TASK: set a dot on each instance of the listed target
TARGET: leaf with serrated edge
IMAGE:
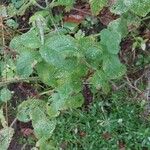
(46, 73)
(139, 7)
(25, 109)
(30, 39)
(113, 67)
(26, 62)
(97, 5)
(5, 95)
(111, 39)
(43, 126)
(6, 135)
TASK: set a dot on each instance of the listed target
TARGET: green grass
(110, 122)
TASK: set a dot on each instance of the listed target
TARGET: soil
(22, 91)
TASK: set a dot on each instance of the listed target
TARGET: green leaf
(70, 84)
(12, 23)
(43, 126)
(16, 44)
(139, 7)
(54, 106)
(18, 3)
(46, 73)
(113, 67)
(61, 43)
(133, 21)
(30, 39)
(41, 13)
(6, 135)
(57, 103)
(65, 89)
(51, 56)
(52, 111)
(45, 144)
(35, 110)
(8, 69)
(111, 39)
(11, 10)
(120, 26)
(99, 79)
(97, 5)
(67, 96)
(56, 49)
(5, 95)
(90, 51)
(3, 11)
(67, 3)
(26, 107)
(75, 101)
(119, 7)
(26, 62)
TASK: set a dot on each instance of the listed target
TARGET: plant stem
(14, 121)
(46, 92)
(146, 18)
(15, 80)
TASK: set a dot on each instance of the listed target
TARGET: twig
(148, 86)
(135, 83)
(38, 5)
(23, 147)
(117, 87)
(79, 10)
(130, 84)
(46, 2)
(14, 121)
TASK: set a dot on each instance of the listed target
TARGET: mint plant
(63, 62)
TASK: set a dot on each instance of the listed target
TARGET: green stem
(16, 80)
(146, 18)
(46, 92)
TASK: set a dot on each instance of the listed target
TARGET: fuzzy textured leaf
(119, 7)
(43, 126)
(98, 79)
(5, 95)
(30, 39)
(120, 26)
(46, 73)
(113, 67)
(16, 44)
(139, 7)
(97, 5)
(91, 49)
(67, 3)
(26, 62)
(111, 39)
(6, 135)
(56, 49)
(45, 144)
(75, 101)
(25, 109)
